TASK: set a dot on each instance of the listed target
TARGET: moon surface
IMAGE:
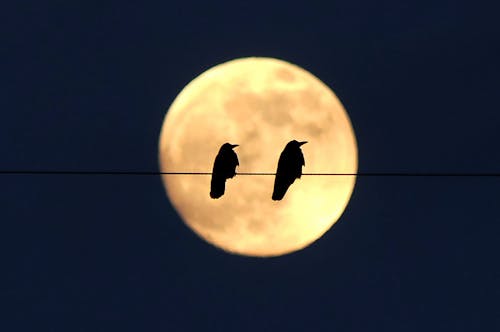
(260, 104)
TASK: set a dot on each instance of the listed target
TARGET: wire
(152, 173)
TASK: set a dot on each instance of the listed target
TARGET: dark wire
(132, 173)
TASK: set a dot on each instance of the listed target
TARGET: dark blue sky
(86, 87)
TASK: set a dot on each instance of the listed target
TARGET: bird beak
(302, 143)
(234, 145)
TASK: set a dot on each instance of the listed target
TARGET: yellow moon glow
(260, 104)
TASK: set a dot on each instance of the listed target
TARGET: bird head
(297, 143)
(229, 146)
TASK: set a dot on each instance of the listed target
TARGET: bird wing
(282, 181)
(218, 164)
(285, 176)
(217, 184)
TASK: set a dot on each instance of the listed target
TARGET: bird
(224, 168)
(289, 168)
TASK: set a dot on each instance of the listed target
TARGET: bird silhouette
(224, 168)
(289, 168)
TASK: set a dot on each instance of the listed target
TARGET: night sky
(86, 87)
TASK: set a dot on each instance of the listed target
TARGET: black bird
(224, 168)
(289, 168)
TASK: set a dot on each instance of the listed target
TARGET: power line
(155, 173)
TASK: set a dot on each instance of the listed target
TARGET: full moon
(260, 104)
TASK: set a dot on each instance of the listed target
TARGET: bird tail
(279, 191)
(217, 187)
